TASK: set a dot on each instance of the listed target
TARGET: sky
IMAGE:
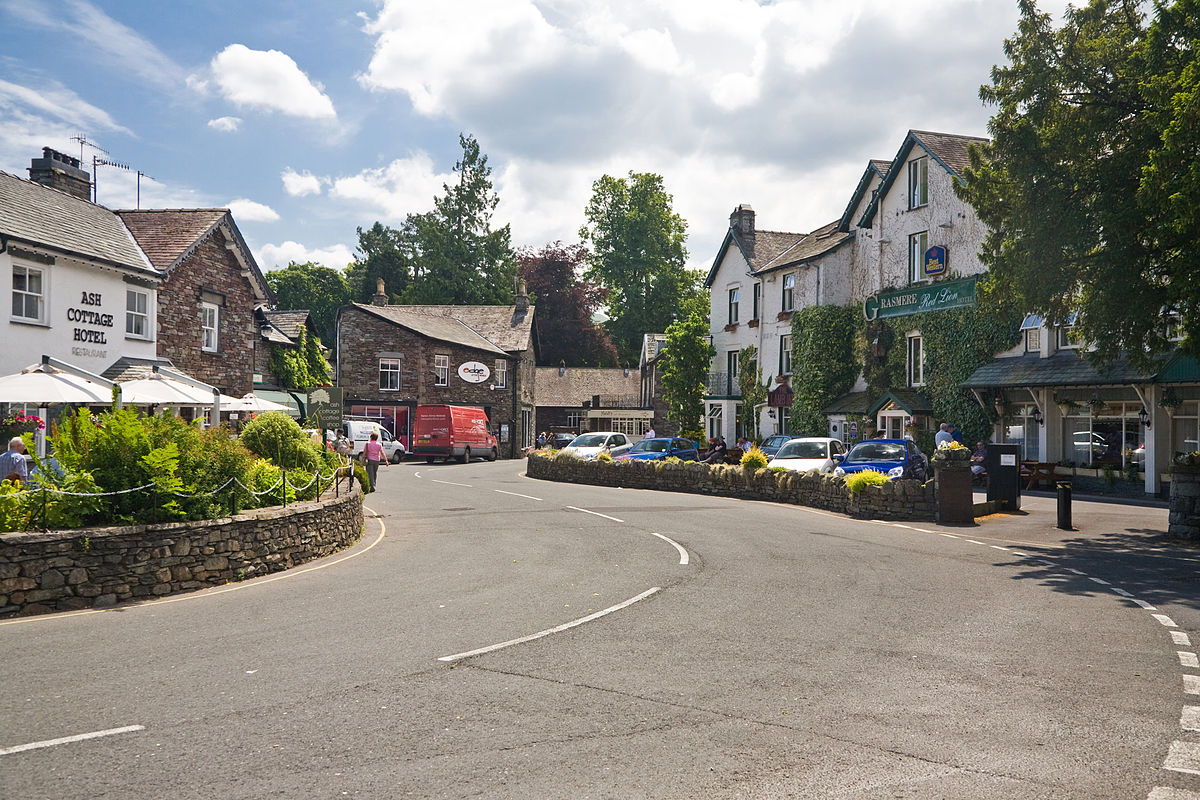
(309, 120)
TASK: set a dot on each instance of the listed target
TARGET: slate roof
(849, 403)
(1065, 368)
(288, 323)
(170, 235)
(911, 400)
(38, 215)
(577, 384)
(442, 327)
(128, 368)
(777, 249)
(823, 240)
(503, 326)
(876, 166)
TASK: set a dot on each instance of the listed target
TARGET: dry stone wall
(1184, 519)
(903, 499)
(98, 567)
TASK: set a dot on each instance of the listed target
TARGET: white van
(359, 431)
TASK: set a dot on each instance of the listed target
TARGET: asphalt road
(795, 654)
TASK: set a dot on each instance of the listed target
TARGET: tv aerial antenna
(103, 158)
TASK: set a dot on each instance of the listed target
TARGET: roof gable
(947, 149)
(824, 239)
(495, 329)
(577, 384)
(875, 167)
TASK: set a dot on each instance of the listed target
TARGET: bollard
(1064, 505)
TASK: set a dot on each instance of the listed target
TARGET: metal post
(1064, 505)
(154, 506)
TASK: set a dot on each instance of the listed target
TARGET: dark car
(896, 458)
(771, 444)
(560, 440)
(660, 448)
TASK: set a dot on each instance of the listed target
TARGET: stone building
(206, 306)
(578, 399)
(392, 358)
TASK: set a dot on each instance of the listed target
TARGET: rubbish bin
(1003, 465)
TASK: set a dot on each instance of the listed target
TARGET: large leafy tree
(382, 252)
(320, 290)
(638, 255)
(686, 358)
(1091, 183)
(565, 305)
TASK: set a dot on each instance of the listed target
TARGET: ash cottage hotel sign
(921, 299)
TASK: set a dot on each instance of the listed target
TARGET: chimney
(380, 298)
(522, 296)
(60, 171)
(742, 222)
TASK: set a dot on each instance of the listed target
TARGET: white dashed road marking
(1121, 591)
(557, 629)
(1165, 620)
(1188, 659)
(1191, 684)
(451, 483)
(1179, 637)
(1189, 720)
(597, 513)
(683, 554)
(1184, 757)
(1100, 581)
(1144, 604)
(1167, 793)
(514, 494)
(20, 748)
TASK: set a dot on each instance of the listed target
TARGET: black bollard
(1064, 505)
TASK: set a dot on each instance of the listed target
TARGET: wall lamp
(1144, 416)
(1037, 416)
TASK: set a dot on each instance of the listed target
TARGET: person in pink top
(373, 455)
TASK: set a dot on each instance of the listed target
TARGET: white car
(590, 445)
(808, 453)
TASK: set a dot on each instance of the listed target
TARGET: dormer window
(918, 183)
(1066, 334)
(1031, 332)
(789, 292)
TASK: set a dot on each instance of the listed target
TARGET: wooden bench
(1036, 472)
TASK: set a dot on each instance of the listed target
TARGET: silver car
(590, 445)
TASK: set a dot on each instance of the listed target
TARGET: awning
(912, 403)
(294, 407)
(1064, 368)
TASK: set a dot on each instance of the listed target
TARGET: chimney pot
(741, 221)
(60, 171)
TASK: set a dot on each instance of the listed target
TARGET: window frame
(915, 377)
(788, 302)
(205, 328)
(132, 314)
(501, 373)
(757, 295)
(731, 371)
(25, 294)
(441, 369)
(785, 354)
(735, 295)
(918, 183)
(918, 243)
(388, 362)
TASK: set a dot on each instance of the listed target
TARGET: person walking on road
(373, 455)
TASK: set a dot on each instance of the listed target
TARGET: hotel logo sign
(921, 299)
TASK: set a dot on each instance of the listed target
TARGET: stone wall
(1184, 519)
(98, 567)
(904, 499)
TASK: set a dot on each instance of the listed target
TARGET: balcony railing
(722, 384)
(614, 401)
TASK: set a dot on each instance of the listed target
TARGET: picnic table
(1035, 472)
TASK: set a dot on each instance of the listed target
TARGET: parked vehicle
(808, 453)
(560, 440)
(659, 448)
(772, 443)
(359, 431)
(590, 445)
(896, 458)
(444, 431)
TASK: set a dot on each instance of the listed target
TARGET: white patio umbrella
(257, 405)
(161, 390)
(46, 384)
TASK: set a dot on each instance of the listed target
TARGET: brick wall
(97, 567)
(214, 268)
(365, 338)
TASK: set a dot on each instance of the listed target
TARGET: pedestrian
(718, 452)
(13, 466)
(344, 446)
(944, 435)
(373, 455)
(650, 434)
(880, 434)
(957, 435)
(542, 439)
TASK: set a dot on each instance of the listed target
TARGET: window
(918, 182)
(916, 361)
(28, 294)
(1066, 339)
(757, 297)
(731, 364)
(389, 374)
(210, 319)
(441, 370)
(137, 313)
(501, 374)
(1033, 340)
(574, 419)
(918, 243)
(734, 296)
(789, 292)
(785, 354)
(715, 426)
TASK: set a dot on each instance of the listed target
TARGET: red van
(452, 432)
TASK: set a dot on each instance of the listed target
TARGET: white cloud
(58, 101)
(272, 256)
(271, 80)
(250, 211)
(405, 186)
(299, 184)
(225, 124)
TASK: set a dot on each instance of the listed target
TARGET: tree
(754, 391)
(638, 255)
(1091, 182)
(385, 253)
(320, 290)
(459, 259)
(565, 306)
(686, 358)
(823, 364)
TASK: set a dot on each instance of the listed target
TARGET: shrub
(858, 481)
(605, 457)
(277, 436)
(777, 470)
(672, 460)
(563, 455)
(754, 459)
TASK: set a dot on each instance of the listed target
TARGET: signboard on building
(325, 406)
(940, 296)
(935, 261)
(474, 372)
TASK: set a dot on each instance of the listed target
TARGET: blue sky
(310, 119)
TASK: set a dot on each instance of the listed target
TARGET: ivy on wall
(824, 364)
(303, 366)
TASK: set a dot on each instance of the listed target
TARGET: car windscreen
(876, 451)
(589, 440)
(804, 450)
(649, 446)
(775, 441)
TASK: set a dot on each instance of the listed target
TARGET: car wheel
(398, 456)
(495, 455)
(466, 456)
(430, 459)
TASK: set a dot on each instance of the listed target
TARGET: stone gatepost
(955, 501)
(1184, 521)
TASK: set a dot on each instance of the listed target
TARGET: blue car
(771, 444)
(662, 447)
(896, 458)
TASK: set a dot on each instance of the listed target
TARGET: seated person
(719, 449)
(977, 458)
